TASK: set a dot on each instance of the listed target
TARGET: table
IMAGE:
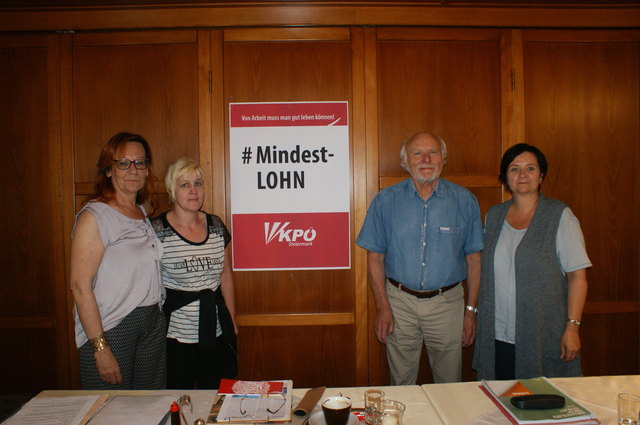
(460, 403)
(434, 404)
(418, 407)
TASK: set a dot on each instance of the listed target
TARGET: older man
(423, 237)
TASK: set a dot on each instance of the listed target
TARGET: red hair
(104, 190)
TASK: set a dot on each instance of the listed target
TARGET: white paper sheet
(134, 410)
(53, 411)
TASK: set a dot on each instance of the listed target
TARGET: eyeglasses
(125, 164)
(273, 403)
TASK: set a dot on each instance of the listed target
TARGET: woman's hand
(108, 366)
(570, 343)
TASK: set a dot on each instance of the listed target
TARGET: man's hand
(468, 328)
(108, 366)
(384, 325)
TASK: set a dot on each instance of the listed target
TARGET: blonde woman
(196, 272)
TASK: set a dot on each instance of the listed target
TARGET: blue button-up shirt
(424, 242)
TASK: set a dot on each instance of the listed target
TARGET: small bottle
(175, 414)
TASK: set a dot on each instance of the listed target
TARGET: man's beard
(421, 180)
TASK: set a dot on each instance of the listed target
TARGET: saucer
(318, 419)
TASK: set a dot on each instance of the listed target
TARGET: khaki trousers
(435, 322)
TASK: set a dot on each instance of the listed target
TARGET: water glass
(628, 409)
(391, 412)
(372, 399)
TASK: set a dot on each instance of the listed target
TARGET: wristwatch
(472, 308)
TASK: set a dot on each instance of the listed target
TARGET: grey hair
(405, 142)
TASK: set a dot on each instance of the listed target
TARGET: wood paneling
(142, 82)
(312, 13)
(359, 105)
(31, 360)
(137, 82)
(317, 353)
(574, 93)
(33, 304)
(582, 110)
(448, 82)
(450, 87)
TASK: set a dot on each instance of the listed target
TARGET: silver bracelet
(574, 321)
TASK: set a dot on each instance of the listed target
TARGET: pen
(164, 418)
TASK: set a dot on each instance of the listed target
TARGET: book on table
(501, 392)
(252, 401)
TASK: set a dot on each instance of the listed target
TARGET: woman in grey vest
(533, 286)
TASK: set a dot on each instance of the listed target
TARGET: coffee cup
(336, 410)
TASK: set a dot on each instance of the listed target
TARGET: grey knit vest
(541, 297)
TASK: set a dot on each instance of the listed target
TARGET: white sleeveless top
(129, 274)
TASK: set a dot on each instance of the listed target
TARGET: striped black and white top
(191, 266)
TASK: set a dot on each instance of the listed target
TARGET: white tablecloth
(459, 404)
(438, 404)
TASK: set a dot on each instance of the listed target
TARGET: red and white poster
(290, 185)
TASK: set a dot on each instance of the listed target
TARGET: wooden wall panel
(448, 86)
(292, 70)
(32, 305)
(321, 355)
(574, 93)
(446, 81)
(174, 14)
(144, 83)
(26, 165)
(582, 110)
(140, 82)
(30, 360)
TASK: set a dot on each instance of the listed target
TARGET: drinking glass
(372, 399)
(628, 409)
(391, 412)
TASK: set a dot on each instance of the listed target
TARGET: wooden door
(141, 82)
(33, 308)
(581, 91)
(150, 83)
(447, 82)
(297, 324)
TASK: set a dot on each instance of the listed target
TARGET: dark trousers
(505, 360)
(189, 367)
(137, 342)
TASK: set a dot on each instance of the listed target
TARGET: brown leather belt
(421, 294)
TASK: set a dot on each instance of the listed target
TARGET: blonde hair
(180, 168)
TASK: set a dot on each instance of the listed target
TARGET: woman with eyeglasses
(196, 272)
(115, 275)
